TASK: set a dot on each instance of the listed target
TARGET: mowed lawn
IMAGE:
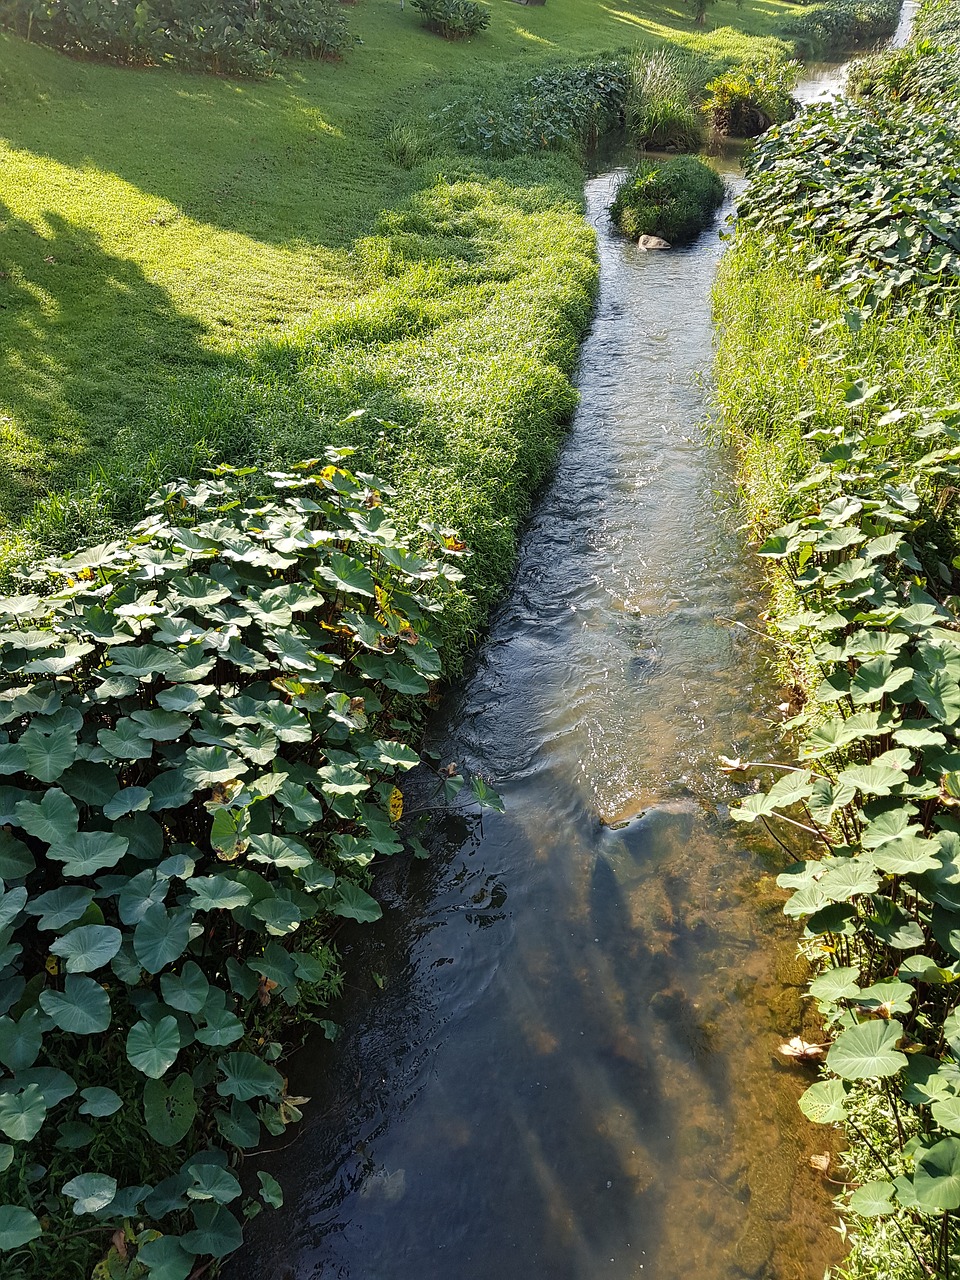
(193, 265)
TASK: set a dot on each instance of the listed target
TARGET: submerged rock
(652, 242)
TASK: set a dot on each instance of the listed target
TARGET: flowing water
(571, 1070)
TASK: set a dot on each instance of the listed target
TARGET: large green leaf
(99, 1101)
(873, 1199)
(217, 893)
(16, 860)
(88, 947)
(207, 766)
(936, 1181)
(825, 1102)
(873, 779)
(166, 1258)
(162, 936)
(169, 1111)
(124, 742)
(129, 800)
(188, 990)
(90, 1192)
(836, 984)
(152, 1047)
(22, 1114)
(279, 851)
(83, 1007)
(18, 1226)
(54, 818)
(60, 906)
(209, 1182)
(161, 726)
(49, 754)
(20, 1040)
(220, 1029)
(217, 1231)
(246, 1077)
(353, 902)
(85, 852)
(867, 1051)
(270, 1190)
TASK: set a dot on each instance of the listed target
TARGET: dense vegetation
(216, 35)
(200, 739)
(839, 376)
(674, 199)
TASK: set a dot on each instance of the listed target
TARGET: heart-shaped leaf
(867, 1051)
(169, 1111)
(152, 1047)
(88, 947)
(82, 1008)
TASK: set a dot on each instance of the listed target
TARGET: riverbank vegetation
(673, 199)
(838, 377)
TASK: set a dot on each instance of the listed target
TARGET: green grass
(193, 265)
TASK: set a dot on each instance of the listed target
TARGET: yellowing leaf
(396, 804)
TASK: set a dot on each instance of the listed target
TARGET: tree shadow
(85, 342)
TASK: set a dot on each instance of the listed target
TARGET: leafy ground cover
(838, 376)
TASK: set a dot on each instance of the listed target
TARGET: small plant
(746, 100)
(406, 146)
(453, 19)
(662, 108)
(674, 200)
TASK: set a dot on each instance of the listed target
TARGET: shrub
(561, 108)
(662, 100)
(198, 751)
(675, 200)
(842, 24)
(453, 19)
(214, 35)
(745, 101)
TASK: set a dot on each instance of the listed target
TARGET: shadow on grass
(85, 342)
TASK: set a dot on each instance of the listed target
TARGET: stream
(570, 1071)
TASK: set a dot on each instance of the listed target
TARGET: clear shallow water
(571, 1070)
(823, 81)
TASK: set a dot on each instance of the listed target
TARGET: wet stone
(754, 1248)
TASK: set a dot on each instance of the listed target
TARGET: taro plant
(877, 789)
(867, 200)
(564, 108)
(201, 729)
(676, 199)
(453, 19)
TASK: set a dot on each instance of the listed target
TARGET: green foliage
(198, 752)
(406, 146)
(840, 25)
(746, 100)
(866, 200)
(662, 101)
(453, 19)
(233, 37)
(562, 108)
(675, 199)
(848, 424)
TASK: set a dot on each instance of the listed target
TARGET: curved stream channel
(571, 1070)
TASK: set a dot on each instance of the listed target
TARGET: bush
(453, 19)
(745, 101)
(842, 24)
(662, 101)
(214, 35)
(564, 108)
(675, 200)
(198, 750)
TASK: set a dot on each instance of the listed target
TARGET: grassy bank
(196, 267)
(838, 379)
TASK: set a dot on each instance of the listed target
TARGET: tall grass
(663, 99)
